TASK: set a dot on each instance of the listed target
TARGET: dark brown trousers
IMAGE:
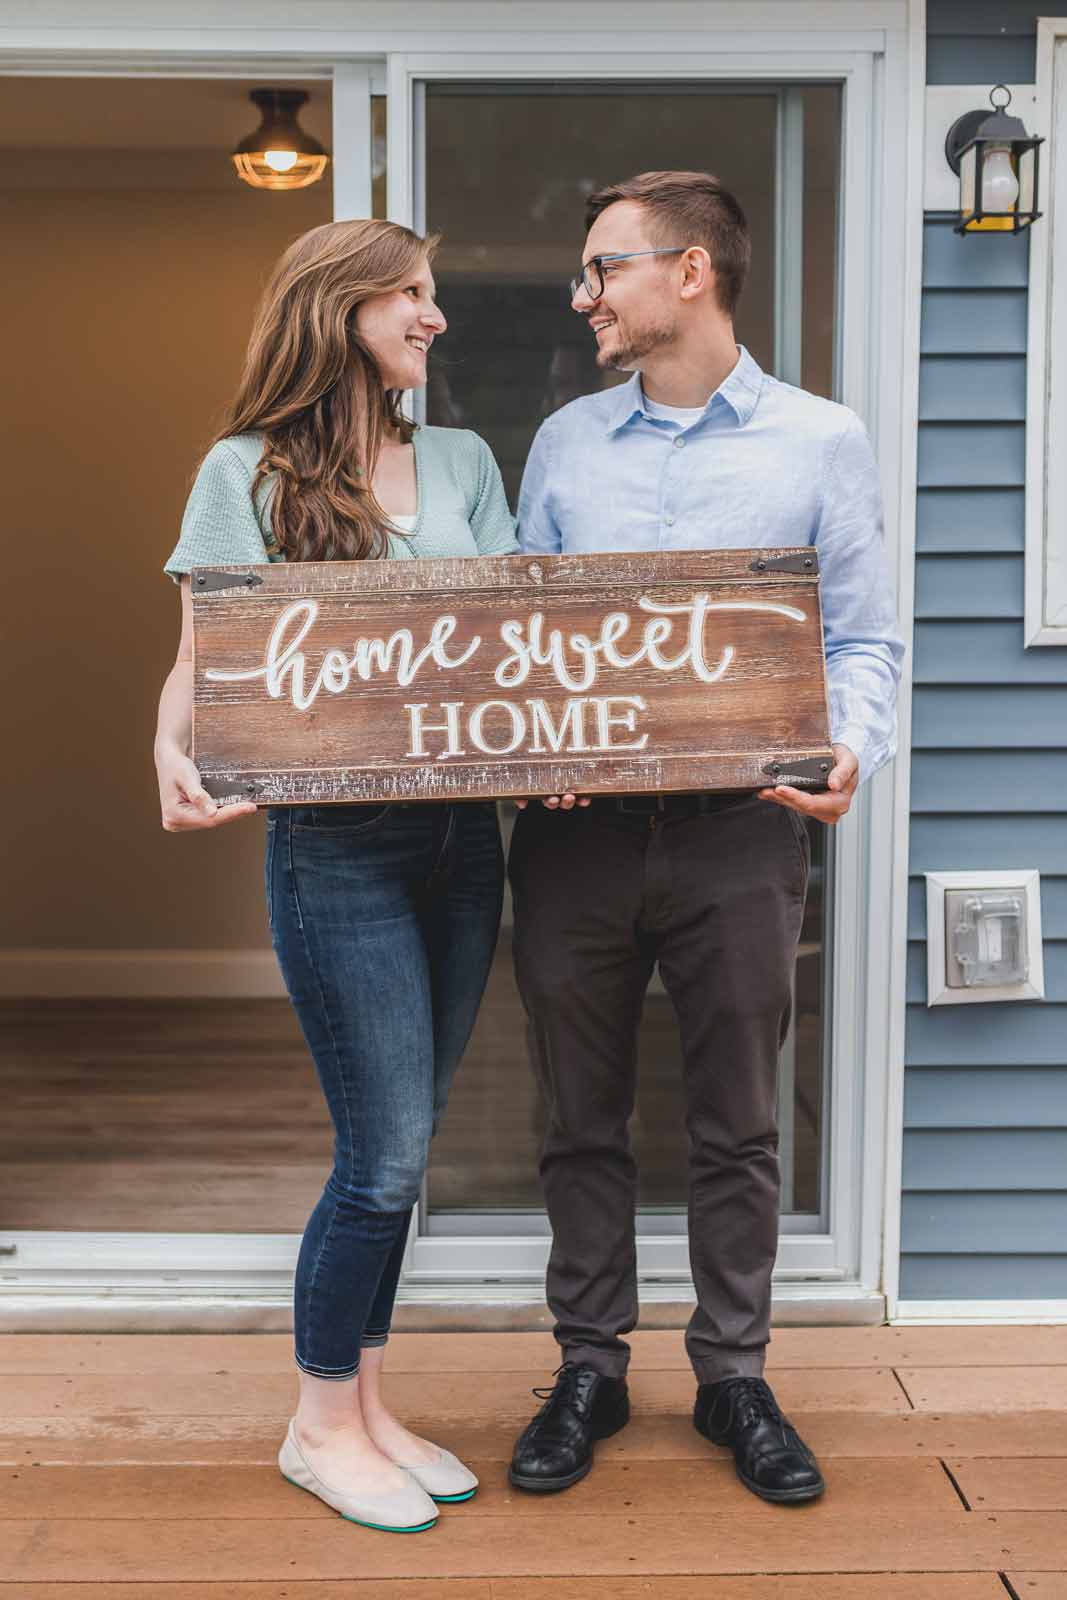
(717, 900)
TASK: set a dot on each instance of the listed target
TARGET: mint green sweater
(462, 510)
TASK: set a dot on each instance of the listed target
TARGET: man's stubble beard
(653, 336)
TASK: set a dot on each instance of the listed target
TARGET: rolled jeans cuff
(729, 1364)
(331, 1375)
(373, 1341)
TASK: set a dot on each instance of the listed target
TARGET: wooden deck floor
(138, 1467)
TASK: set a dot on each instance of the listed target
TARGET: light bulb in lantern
(1000, 186)
(281, 160)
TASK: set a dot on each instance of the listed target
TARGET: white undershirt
(681, 416)
(405, 523)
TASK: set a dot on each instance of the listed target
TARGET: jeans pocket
(340, 819)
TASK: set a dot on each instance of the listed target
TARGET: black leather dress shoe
(770, 1456)
(556, 1448)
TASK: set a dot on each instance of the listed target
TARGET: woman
(383, 918)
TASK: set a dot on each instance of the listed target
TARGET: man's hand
(561, 802)
(829, 807)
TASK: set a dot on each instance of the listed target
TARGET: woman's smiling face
(399, 327)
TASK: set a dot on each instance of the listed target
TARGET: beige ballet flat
(447, 1480)
(409, 1510)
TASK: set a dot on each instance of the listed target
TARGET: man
(700, 448)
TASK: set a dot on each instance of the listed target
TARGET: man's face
(636, 314)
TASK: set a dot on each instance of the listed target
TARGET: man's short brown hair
(687, 208)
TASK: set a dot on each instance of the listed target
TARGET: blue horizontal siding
(968, 587)
(970, 19)
(976, 1159)
(989, 1097)
(950, 520)
(982, 653)
(985, 1091)
(1054, 961)
(971, 60)
(1012, 1224)
(950, 260)
(973, 389)
(1032, 1033)
(958, 843)
(983, 718)
(1053, 908)
(972, 455)
(987, 322)
(983, 1277)
(980, 781)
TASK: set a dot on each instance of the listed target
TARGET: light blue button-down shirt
(764, 465)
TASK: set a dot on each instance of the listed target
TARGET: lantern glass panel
(1025, 169)
(967, 181)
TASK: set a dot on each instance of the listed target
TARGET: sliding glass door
(503, 174)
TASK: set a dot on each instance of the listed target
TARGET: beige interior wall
(129, 281)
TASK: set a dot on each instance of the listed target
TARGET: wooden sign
(516, 675)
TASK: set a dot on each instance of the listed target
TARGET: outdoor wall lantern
(279, 155)
(996, 162)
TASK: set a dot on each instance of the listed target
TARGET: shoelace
(569, 1373)
(751, 1401)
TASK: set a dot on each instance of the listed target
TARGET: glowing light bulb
(286, 160)
(1000, 186)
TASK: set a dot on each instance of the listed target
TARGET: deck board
(996, 1485)
(817, 1540)
(140, 1439)
(468, 1396)
(654, 1350)
(659, 1488)
(986, 1388)
(823, 1586)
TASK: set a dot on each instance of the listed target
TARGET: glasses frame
(582, 281)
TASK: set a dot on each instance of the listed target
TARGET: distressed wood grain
(472, 679)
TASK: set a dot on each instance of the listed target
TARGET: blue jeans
(384, 921)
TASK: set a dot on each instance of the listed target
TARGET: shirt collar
(740, 389)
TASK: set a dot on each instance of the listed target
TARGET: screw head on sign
(250, 788)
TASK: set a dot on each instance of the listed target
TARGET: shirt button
(678, 443)
(669, 521)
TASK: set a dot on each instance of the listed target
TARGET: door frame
(876, 48)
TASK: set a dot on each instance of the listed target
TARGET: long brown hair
(312, 388)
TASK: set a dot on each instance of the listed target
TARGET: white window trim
(877, 48)
(1046, 375)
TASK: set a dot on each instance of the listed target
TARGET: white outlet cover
(938, 992)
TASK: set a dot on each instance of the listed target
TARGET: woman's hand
(185, 803)
(183, 800)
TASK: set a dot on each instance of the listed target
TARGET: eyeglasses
(591, 277)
